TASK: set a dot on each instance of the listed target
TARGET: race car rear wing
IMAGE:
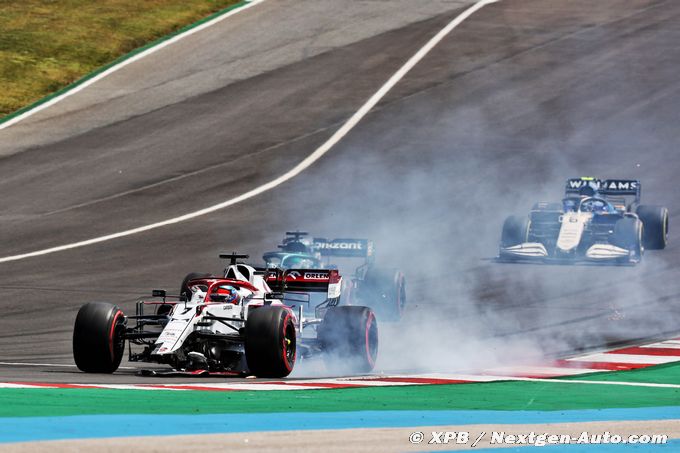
(608, 187)
(346, 248)
(305, 281)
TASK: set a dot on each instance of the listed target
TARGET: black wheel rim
(118, 342)
(371, 340)
(289, 343)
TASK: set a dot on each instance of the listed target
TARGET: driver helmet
(299, 262)
(569, 204)
(586, 191)
(231, 294)
(295, 247)
(599, 206)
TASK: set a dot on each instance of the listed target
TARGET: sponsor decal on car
(624, 185)
(339, 245)
(344, 247)
(620, 185)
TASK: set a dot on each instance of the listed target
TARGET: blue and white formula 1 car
(597, 221)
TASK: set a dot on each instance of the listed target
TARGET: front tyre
(655, 220)
(98, 343)
(349, 338)
(628, 234)
(270, 341)
(515, 231)
(184, 290)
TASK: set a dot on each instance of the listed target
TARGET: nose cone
(571, 230)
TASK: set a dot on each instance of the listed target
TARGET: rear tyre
(628, 234)
(98, 343)
(349, 338)
(655, 220)
(383, 290)
(515, 231)
(270, 342)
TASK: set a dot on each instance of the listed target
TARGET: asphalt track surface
(522, 95)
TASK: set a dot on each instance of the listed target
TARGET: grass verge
(45, 45)
(504, 396)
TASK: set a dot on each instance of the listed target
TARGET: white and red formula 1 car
(233, 324)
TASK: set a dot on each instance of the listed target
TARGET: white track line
(578, 381)
(299, 168)
(126, 62)
(9, 385)
(255, 387)
(540, 370)
(37, 364)
(65, 365)
(626, 358)
(670, 344)
(124, 387)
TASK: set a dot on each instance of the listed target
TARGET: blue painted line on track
(22, 429)
(671, 445)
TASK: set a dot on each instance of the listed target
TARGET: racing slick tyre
(184, 289)
(184, 292)
(349, 338)
(655, 220)
(384, 291)
(270, 341)
(515, 231)
(628, 234)
(98, 343)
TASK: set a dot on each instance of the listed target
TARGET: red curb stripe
(417, 380)
(609, 366)
(328, 385)
(531, 376)
(188, 387)
(648, 351)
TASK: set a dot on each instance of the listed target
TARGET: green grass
(47, 44)
(508, 396)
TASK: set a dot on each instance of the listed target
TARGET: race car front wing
(537, 251)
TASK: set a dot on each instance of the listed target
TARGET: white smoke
(433, 196)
